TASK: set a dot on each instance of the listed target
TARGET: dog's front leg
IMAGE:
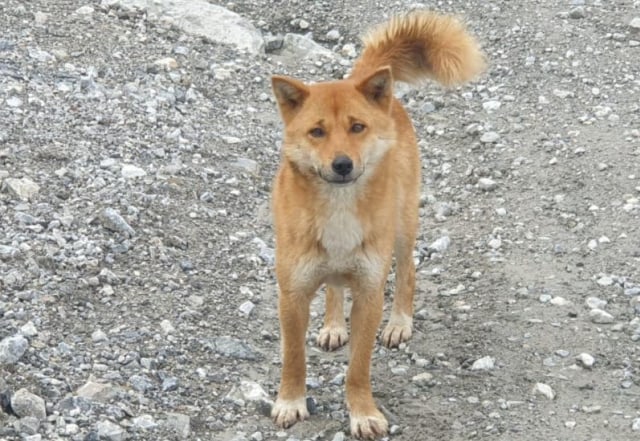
(366, 313)
(291, 405)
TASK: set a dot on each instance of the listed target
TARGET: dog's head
(337, 131)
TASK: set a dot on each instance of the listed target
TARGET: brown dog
(346, 199)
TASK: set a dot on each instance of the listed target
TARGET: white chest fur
(341, 233)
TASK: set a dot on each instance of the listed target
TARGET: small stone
(233, 348)
(169, 384)
(489, 137)
(167, 63)
(84, 10)
(304, 24)
(98, 336)
(110, 431)
(24, 403)
(483, 364)
(491, 106)
(634, 25)
(559, 301)
(605, 281)
(635, 426)
(179, 423)
(633, 291)
(545, 390)
(349, 50)
(586, 360)
(600, 316)
(595, 303)
(577, 13)
(592, 409)
(333, 35)
(94, 391)
(112, 220)
(24, 188)
(29, 329)
(247, 307)
(141, 383)
(130, 171)
(8, 252)
(28, 425)
(570, 424)
(423, 379)
(339, 436)
(167, 327)
(494, 243)
(12, 349)
(144, 422)
(487, 184)
(440, 245)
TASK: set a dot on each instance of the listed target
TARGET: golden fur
(341, 229)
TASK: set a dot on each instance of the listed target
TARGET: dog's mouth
(340, 181)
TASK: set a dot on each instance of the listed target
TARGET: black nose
(342, 165)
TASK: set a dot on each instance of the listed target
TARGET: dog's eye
(357, 128)
(317, 132)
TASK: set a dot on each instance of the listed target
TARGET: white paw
(286, 413)
(369, 426)
(397, 331)
(332, 337)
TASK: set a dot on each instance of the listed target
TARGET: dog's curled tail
(422, 45)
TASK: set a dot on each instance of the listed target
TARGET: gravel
(138, 145)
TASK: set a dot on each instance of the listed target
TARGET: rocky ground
(137, 297)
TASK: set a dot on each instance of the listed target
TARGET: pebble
(605, 281)
(84, 10)
(23, 188)
(167, 327)
(130, 171)
(634, 25)
(586, 360)
(487, 184)
(94, 391)
(110, 431)
(483, 364)
(595, 303)
(600, 316)
(29, 329)
(491, 106)
(179, 423)
(577, 13)
(559, 301)
(494, 243)
(490, 137)
(233, 348)
(333, 35)
(167, 64)
(423, 379)
(12, 349)
(635, 425)
(440, 245)
(28, 425)
(247, 307)
(545, 298)
(545, 390)
(98, 336)
(24, 403)
(144, 422)
(8, 252)
(141, 383)
(112, 220)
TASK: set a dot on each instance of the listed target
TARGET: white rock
(634, 25)
(12, 348)
(144, 422)
(600, 316)
(110, 431)
(494, 243)
(129, 171)
(483, 364)
(23, 188)
(301, 47)
(586, 360)
(423, 378)
(635, 426)
(559, 301)
(545, 390)
(167, 63)
(24, 403)
(492, 105)
(98, 335)
(595, 303)
(179, 423)
(29, 329)
(167, 327)
(489, 137)
(605, 281)
(84, 10)
(487, 184)
(201, 18)
(101, 392)
(440, 245)
(247, 307)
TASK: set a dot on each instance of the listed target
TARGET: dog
(345, 201)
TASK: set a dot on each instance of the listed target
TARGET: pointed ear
(378, 87)
(290, 94)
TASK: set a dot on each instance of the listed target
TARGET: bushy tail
(422, 45)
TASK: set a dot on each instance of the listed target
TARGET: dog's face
(336, 131)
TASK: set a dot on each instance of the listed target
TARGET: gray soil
(527, 315)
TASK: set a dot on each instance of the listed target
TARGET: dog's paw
(332, 337)
(369, 426)
(286, 413)
(395, 333)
